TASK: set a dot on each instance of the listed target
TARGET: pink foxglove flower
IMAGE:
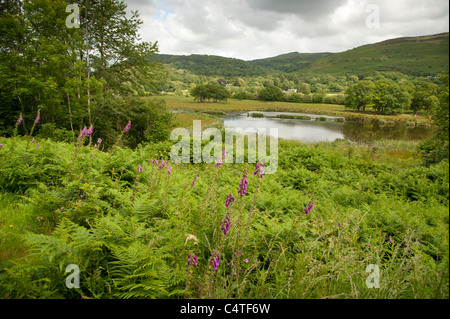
(230, 198)
(140, 169)
(259, 169)
(194, 181)
(192, 259)
(310, 206)
(243, 185)
(83, 133)
(225, 224)
(216, 262)
(219, 162)
(127, 128)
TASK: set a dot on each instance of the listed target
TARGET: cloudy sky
(253, 29)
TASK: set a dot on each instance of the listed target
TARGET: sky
(255, 29)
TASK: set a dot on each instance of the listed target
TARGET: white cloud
(251, 29)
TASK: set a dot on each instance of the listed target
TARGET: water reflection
(318, 131)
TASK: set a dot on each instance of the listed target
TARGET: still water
(318, 131)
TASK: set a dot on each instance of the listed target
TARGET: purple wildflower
(20, 119)
(89, 132)
(216, 261)
(38, 117)
(194, 181)
(391, 240)
(259, 169)
(310, 206)
(219, 162)
(37, 145)
(1, 145)
(33, 140)
(230, 198)
(163, 163)
(127, 128)
(225, 224)
(247, 260)
(192, 259)
(83, 133)
(140, 169)
(99, 141)
(243, 185)
(169, 170)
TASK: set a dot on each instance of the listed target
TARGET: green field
(232, 105)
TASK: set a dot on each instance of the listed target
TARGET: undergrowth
(139, 226)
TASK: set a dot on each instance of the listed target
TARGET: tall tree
(359, 95)
(73, 75)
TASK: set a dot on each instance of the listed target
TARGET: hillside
(289, 62)
(417, 56)
(211, 65)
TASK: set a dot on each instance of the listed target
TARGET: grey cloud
(258, 28)
(304, 8)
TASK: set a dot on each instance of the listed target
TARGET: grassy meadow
(139, 226)
(233, 105)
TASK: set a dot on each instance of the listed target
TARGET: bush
(151, 121)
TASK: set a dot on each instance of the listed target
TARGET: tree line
(389, 97)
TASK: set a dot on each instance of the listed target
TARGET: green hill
(212, 65)
(419, 56)
(289, 62)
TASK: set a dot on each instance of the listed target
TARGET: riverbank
(232, 105)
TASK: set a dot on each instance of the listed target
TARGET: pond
(325, 128)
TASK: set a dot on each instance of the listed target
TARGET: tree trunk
(70, 118)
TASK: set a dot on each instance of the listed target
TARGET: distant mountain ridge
(418, 56)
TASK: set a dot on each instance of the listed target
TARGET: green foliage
(49, 69)
(131, 232)
(418, 56)
(210, 91)
(358, 96)
(209, 65)
(271, 93)
(438, 150)
(385, 97)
